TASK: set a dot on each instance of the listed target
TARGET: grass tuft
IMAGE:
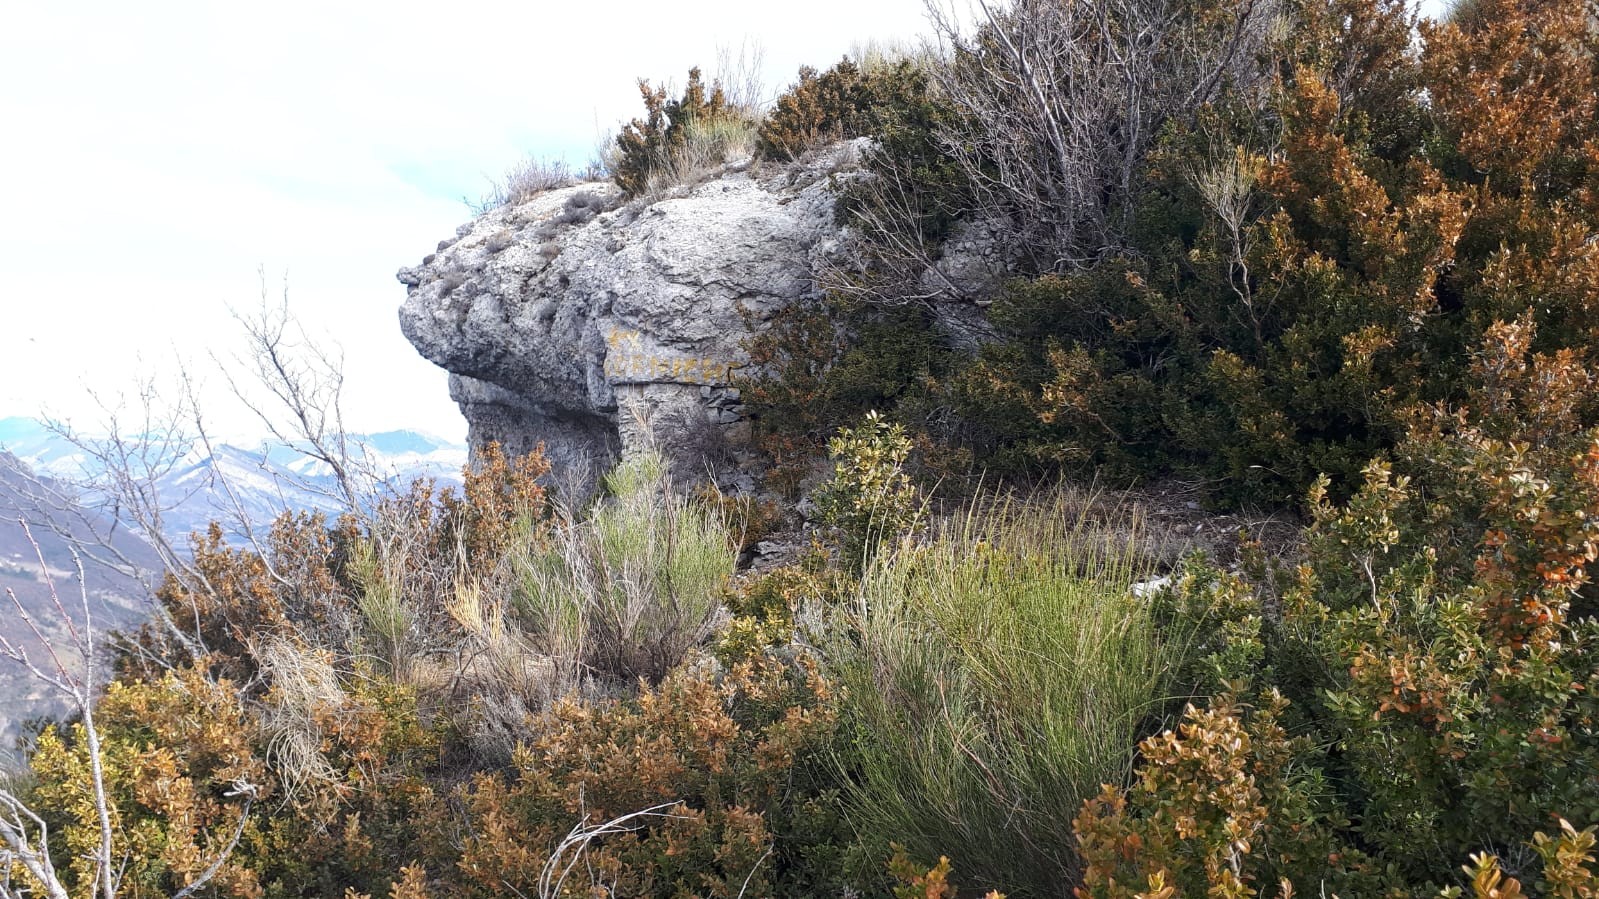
(525, 179)
(998, 675)
(708, 144)
(305, 688)
(633, 588)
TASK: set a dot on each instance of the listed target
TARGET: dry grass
(305, 687)
(708, 146)
(583, 609)
(504, 677)
(873, 56)
(526, 179)
(738, 73)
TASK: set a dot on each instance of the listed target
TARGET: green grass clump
(630, 590)
(997, 677)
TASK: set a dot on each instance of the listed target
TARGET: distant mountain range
(258, 482)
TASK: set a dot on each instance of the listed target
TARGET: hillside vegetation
(1309, 253)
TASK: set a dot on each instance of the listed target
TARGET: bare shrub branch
(305, 381)
(738, 71)
(903, 264)
(576, 842)
(1060, 101)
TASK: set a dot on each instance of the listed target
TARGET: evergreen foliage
(870, 499)
(648, 145)
(816, 110)
(1434, 660)
(1306, 264)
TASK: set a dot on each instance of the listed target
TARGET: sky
(159, 157)
(165, 162)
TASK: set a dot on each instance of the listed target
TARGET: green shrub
(1076, 381)
(764, 609)
(816, 110)
(820, 368)
(996, 677)
(1437, 657)
(916, 192)
(1302, 268)
(678, 137)
(870, 499)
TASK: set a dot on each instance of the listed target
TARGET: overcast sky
(157, 155)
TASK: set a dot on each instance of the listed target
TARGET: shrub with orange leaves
(1568, 868)
(816, 110)
(916, 883)
(1466, 706)
(189, 764)
(1223, 806)
(308, 578)
(285, 696)
(500, 501)
(1443, 662)
(172, 751)
(1311, 262)
(710, 784)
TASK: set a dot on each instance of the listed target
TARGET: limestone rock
(584, 323)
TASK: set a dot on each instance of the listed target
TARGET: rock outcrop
(587, 323)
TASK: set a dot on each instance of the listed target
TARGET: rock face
(587, 323)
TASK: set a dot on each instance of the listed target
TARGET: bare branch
(33, 853)
(1060, 101)
(576, 842)
(305, 382)
(79, 688)
(23, 832)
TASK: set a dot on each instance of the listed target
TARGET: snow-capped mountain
(42, 449)
(253, 483)
(231, 484)
(388, 455)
